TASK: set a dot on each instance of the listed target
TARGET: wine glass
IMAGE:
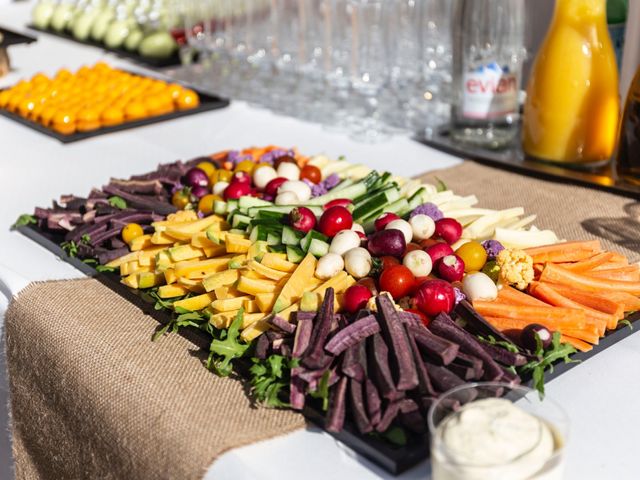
(370, 65)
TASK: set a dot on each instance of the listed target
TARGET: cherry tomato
(423, 318)
(207, 167)
(180, 199)
(205, 205)
(131, 231)
(311, 173)
(388, 261)
(398, 281)
(473, 255)
(246, 166)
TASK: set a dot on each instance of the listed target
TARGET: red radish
(356, 298)
(451, 268)
(236, 190)
(385, 218)
(362, 235)
(334, 220)
(338, 202)
(272, 187)
(434, 297)
(438, 251)
(241, 177)
(449, 230)
(303, 219)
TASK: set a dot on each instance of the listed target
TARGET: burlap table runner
(93, 397)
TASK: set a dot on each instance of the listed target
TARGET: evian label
(489, 92)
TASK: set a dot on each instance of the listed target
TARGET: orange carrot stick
(588, 264)
(577, 344)
(592, 338)
(565, 252)
(512, 296)
(553, 318)
(593, 300)
(555, 274)
(629, 273)
(547, 293)
(631, 303)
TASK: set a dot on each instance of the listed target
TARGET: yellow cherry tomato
(207, 167)
(473, 255)
(131, 231)
(187, 99)
(246, 166)
(224, 175)
(180, 199)
(205, 205)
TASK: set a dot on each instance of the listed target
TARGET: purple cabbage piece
(358, 409)
(394, 332)
(428, 209)
(443, 326)
(273, 155)
(493, 248)
(389, 415)
(441, 349)
(373, 401)
(459, 295)
(378, 354)
(352, 335)
(282, 324)
(424, 383)
(337, 406)
(296, 390)
(354, 362)
(324, 186)
(316, 356)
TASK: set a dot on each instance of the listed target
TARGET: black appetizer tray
(9, 37)
(393, 459)
(602, 177)
(207, 103)
(171, 61)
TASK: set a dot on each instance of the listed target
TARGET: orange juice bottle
(572, 108)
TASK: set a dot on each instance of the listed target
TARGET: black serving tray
(603, 177)
(14, 38)
(121, 52)
(393, 459)
(207, 102)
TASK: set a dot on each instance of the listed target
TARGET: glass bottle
(617, 20)
(488, 51)
(628, 156)
(572, 109)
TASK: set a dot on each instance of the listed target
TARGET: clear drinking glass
(531, 464)
(370, 65)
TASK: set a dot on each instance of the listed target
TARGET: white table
(599, 395)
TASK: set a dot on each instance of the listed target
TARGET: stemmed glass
(370, 65)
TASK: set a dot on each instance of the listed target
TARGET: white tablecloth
(599, 395)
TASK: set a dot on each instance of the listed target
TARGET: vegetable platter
(97, 100)
(354, 296)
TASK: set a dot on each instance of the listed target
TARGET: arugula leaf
(90, 261)
(440, 185)
(118, 202)
(161, 332)
(24, 219)
(104, 268)
(323, 390)
(86, 238)
(70, 248)
(270, 379)
(491, 340)
(223, 352)
(557, 351)
(396, 435)
(626, 322)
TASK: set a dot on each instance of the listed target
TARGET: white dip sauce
(492, 439)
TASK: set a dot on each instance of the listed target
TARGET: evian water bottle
(488, 51)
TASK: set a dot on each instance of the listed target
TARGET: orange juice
(572, 109)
